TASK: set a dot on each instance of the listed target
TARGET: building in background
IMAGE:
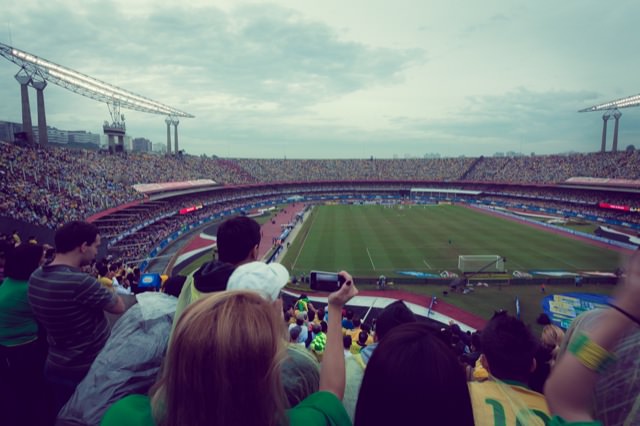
(141, 145)
(8, 130)
(57, 136)
(81, 137)
(159, 148)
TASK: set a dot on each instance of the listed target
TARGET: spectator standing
(393, 315)
(23, 348)
(237, 242)
(319, 341)
(360, 344)
(346, 346)
(70, 304)
(301, 321)
(347, 321)
(508, 349)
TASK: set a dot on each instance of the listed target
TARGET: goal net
(486, 263)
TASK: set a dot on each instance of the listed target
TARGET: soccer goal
(486, 263)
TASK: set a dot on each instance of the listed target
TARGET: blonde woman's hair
(552, 337)
(223, 364)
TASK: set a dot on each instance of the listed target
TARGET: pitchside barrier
(493, 282)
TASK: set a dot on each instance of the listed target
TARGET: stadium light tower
(611, 109)
(38, 71)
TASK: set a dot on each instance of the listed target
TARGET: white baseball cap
(266, 279)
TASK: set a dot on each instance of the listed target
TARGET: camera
(325, 281)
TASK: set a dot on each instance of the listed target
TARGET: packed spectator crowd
(557, 168)
(288, 170)
(55, 185)
(52, 186)
(221, 346)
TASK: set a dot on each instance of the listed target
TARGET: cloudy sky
(341, 79)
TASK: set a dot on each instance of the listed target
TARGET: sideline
(294, 234)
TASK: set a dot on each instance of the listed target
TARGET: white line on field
(425, 262)
(370, 259)
(313, 218)
(563, 261)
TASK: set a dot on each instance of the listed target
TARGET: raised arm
(569, 389)
(332, 370)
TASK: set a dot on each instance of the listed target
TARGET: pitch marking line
(426, 263)
(563, 261)
(313, 219)
(370, 259)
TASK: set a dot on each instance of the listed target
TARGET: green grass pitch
(374, 240)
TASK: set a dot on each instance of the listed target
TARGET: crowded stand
(557, 168)
(54, 185)
(288, 170)
(51, 186)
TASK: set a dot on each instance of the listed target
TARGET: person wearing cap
(266, 279)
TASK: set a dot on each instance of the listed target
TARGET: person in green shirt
(223, 367)
(17, 323)
(22, 350)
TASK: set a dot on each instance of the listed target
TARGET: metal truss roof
(629, 101)
(84, 85)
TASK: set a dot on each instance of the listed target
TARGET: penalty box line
(374, 266)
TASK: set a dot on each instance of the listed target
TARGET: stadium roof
(629, 101)
(85, 85)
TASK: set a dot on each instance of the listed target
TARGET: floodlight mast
(611, 109)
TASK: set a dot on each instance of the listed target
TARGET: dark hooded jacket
(213, 276)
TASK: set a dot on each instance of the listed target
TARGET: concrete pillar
(616, 116)
(605, 118)
(43, 139)
(27, 126)
(168, 121)
(175, 135)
